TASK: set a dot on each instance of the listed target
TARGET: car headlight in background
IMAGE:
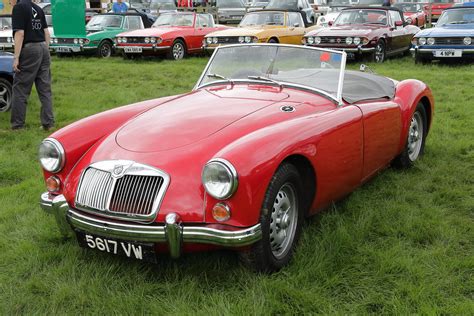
(348, 40)
(124, 39)
(430, 41)
(219, 178)
(422, 41)
(241, 39)
(153, 40)
(317, 40)
(248, 39)
(55, 41)
(209, 40)
(81, 41)
(10, 39)
(356, 40)
(76, 41)
(467, 41)
(215, 40)
(147, 40)
(310, 40)
(51, 155)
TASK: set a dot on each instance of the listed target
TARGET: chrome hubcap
(105, 51)
(379, 53)
(178, 51)
(415, 136)
(5, 98)
(283, 221)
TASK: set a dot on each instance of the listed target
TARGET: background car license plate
(448, 53)
(139, 251)
(63, 49)
(133, 49)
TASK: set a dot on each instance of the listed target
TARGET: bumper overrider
(173, 232)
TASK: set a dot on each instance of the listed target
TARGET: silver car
(230, 11)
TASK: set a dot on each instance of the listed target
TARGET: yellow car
(271, 26)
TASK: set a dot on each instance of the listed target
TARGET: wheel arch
(182, 40)
(273, 38)
(6, 76)
(308, 178)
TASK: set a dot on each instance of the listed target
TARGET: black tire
(284, 192)
(105, 49)
(5, 95)
(379, 54)
(421, 60)
(273, 40)
(177, 50)
(128, 56)
(415, 146)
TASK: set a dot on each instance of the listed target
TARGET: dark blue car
(453, 37)
(6, 80)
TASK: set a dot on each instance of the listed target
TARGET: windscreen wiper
(267, 80)
(211, 75)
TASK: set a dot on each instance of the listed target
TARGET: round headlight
(219, 178)
(51, 155)
(430, 41)
(215, 40)
(124, 39)
(248, 39)
(81, 41)
(241, 39)
(209, 40)
(76, 41)
(348, 40)
(322, 20)
(467, 41)
(422, 41)
(153, 40)
(147, 40)
(55, 41)
(317, 40)
(9, 40)
(310, 40)
(356, 40)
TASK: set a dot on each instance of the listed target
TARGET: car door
(201, 28)
(382, 129)
(134, 22)
(400, 37)
(295, 28)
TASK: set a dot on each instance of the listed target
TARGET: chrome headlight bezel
(310, 40)
(215, 40)
(349, 40)
(317, 40)
(430, 41)
(467, 40)
(248, 39)
(209, 40)
(422, 41)
(220, 168)
(241, 39)
(357, 40)
(51, 149)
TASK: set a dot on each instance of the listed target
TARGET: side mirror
(296, 25)
(398, 23)
(408, 20)
(204, 25)
(330, 23)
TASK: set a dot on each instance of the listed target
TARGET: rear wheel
(415, 144)
(5, 95)
(281, 219)
(273, 40)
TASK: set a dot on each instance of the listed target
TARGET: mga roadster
(270, 134)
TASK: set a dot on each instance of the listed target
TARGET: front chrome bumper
(173, 232)
(144, 48)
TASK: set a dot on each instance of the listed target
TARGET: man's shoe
(46, 128)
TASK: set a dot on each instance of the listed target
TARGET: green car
(99, 34)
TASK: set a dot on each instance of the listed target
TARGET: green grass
(403, 243)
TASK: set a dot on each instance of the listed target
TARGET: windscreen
(230, 4)
(361, 17)
(263, 18)
(283, 4)
(5, 23)
(171, 19)
(284, 65)
(103, 21)
(457, 16)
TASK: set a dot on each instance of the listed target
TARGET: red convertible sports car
(175, 34)
(270, 134)
(413, 13)
(374, 31)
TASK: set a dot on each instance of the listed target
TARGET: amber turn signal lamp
(221, 212)
(53, 184)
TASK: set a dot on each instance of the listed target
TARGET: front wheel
(5, 95)
(105, 49)
(415, 144)
(379, 53)
(281, 219)
(177, 50)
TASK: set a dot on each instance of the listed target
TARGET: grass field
(401, 244)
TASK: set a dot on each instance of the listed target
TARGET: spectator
(119, 7)
(31, 63)
(388, 3)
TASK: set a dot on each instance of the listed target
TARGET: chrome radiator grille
(122, 189)
(135, 194)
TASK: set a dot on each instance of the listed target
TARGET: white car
(330, 16)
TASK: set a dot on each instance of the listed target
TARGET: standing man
(119, 7)
(31, 64)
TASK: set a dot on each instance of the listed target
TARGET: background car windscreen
(174, 20)
(361, 17)
(457, 16)
(103, 21)
(263, 18)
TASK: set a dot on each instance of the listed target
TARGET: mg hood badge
(118, 170)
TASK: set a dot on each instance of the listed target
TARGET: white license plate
(448, 53)
(127, 249)
(61, 49)
(132, 49)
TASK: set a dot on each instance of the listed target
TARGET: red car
(174, 34)
(437, 7)
(269, 135)
(413, 13)
(375, 31)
